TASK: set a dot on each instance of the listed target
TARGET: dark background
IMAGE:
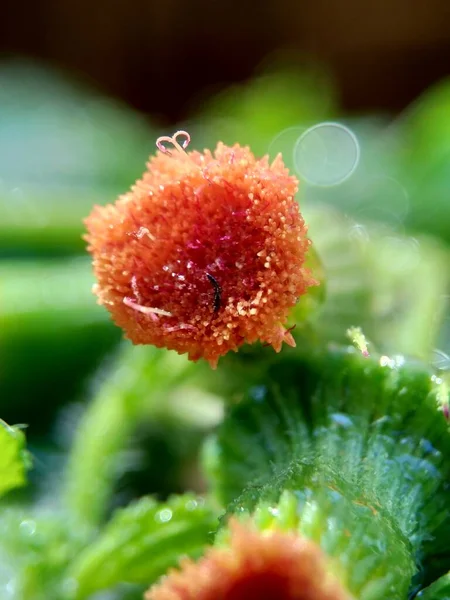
(164, 56)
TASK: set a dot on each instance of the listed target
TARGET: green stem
(136, 389)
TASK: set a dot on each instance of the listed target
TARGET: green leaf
(142, 541)
(439, 590)
(62, 149)
(36, 547)
(426, 133)
(14, 459)
(388, 284)
(50, 330)
(365, 448)
(253, 116)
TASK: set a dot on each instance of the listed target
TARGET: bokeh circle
(326, 154)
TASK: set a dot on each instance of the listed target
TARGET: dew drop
(274, 511)
(164, 515)
(191, 505)
(385, 361)
(28, 527)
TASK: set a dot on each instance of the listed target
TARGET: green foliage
(268, 112)
(50, 330)
(440, 590)
(142, 541)
(36, 546)
(382, 281)
(134, 390)
(324, 441)
(426, 130)
(62, 149)
(14, 458)
(364, 447)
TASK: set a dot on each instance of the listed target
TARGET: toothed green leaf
(143, 541)
(36, 546)
(363, 445)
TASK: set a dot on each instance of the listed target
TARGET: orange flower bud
(268, 564)
(205, 252)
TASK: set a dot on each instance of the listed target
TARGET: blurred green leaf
(51, 330)
(142, 541)
(36, 547)
(402, 178)
(268, 112)
(62, 149)
(439, 590)
(390, 285)
(14, 459)
(426, 131)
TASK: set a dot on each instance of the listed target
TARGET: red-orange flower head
(205, 252)
(257, 566)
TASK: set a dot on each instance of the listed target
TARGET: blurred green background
(84, 93)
